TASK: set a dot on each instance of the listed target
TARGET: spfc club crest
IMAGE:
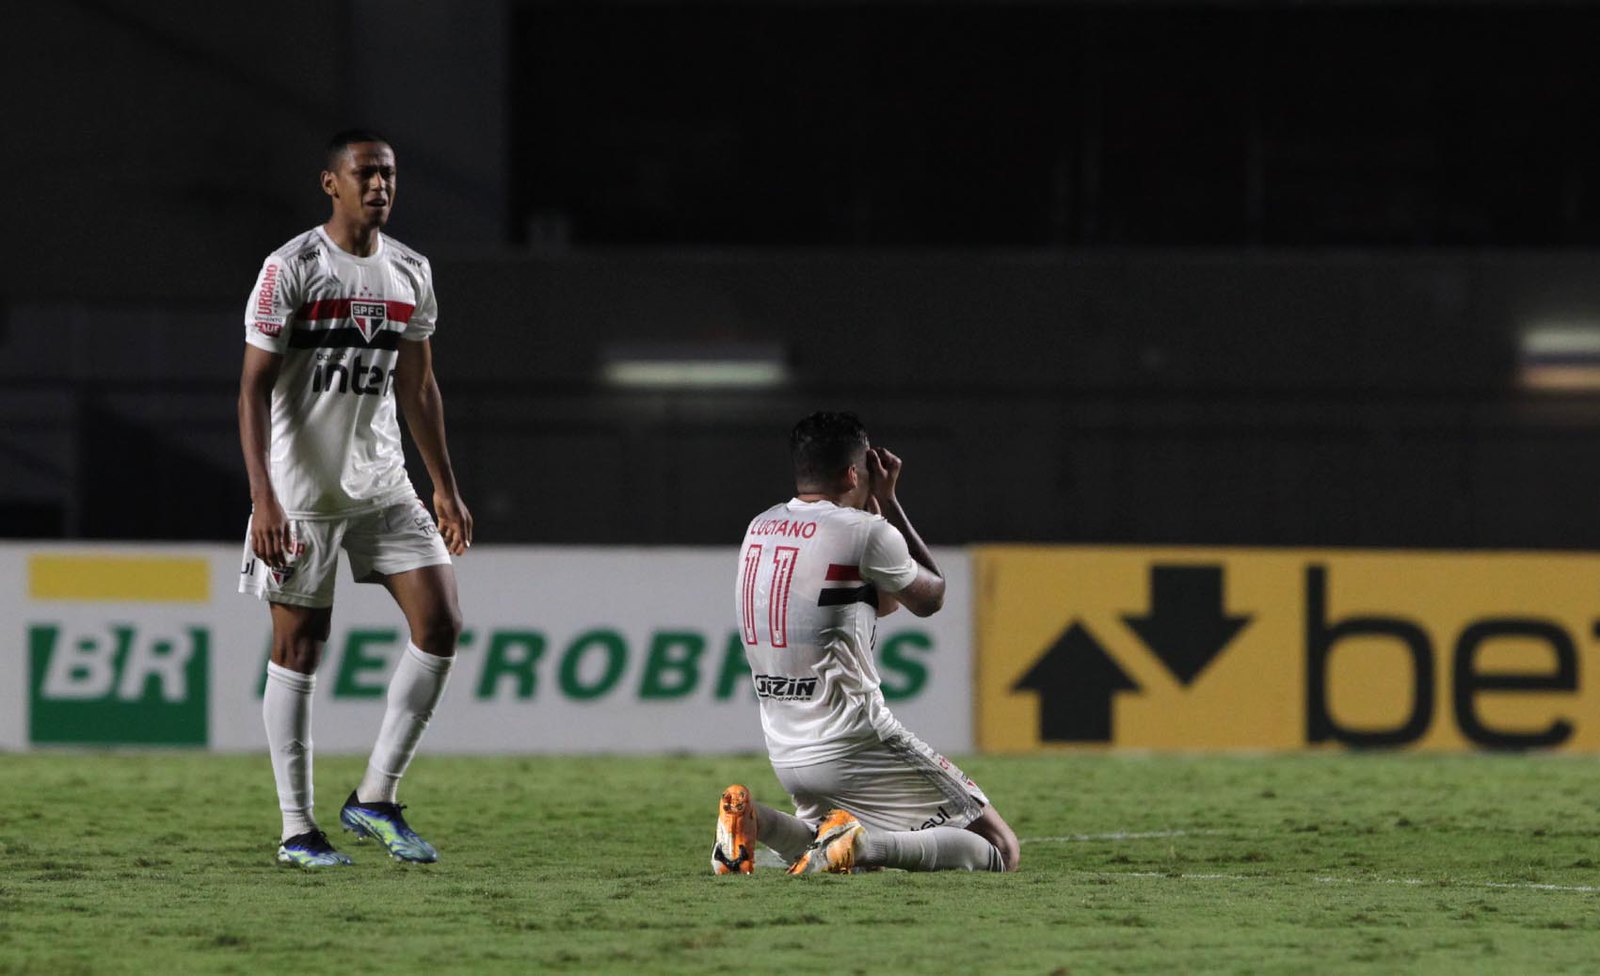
(369, 317)
(285, 573)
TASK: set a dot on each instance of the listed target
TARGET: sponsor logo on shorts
(780, 687)
(423, 521)
(939, 819)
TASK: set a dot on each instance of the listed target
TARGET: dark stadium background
(1127, 272)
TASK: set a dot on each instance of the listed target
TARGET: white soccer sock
(414, 691)
(286, 710)
(933, 849)
(783, 832)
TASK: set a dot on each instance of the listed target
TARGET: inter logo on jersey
(369, 317)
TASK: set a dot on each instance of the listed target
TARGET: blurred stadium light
(1561, 358)
(694, 366)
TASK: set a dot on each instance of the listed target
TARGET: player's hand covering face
(883, 474)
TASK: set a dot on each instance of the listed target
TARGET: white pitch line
(1419, 882)
(1409, 882)
(1117, 835)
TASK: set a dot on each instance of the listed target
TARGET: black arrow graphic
(1075, 680)
(1187, 626)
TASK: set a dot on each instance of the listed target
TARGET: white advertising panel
(566, 650)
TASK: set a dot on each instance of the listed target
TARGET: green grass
(140, 863)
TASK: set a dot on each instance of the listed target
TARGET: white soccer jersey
(338, 321)
(807, 595)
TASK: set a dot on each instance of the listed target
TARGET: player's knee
(297, 652)
(439, 632)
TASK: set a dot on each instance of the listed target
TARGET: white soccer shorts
(898, 783)
(386, 541)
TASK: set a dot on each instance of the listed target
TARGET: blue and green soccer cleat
(384, 822)
(311, 850)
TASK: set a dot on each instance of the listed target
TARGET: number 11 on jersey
(778, 585)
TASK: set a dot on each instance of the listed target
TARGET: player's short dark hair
(824, 445)
(343, 140)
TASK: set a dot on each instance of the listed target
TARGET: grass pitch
(1326, 863)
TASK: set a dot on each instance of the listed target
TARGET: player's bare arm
(417, 391)
(269, 527)
(925, 594)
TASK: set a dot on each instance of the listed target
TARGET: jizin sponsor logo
(783, 688)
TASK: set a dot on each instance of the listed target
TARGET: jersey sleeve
(272, 303)
(426, 315)
(886, 560)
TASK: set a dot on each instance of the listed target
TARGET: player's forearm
(423, 409)
(255, 424)
(896, 516)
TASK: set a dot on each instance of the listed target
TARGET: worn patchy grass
(140, 863)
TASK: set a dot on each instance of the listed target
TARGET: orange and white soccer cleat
(840, 838)
(735, 850)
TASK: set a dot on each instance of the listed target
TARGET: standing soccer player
(337, 333)
(815, 573)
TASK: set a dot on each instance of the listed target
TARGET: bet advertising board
(566, 650)
(1230, 649)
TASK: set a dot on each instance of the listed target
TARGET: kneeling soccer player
(814, 575)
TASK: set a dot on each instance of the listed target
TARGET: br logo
(118, 685)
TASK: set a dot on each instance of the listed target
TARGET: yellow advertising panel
(1286, 649)
(119, 577)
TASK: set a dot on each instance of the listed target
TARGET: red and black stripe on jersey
(347, 337)
(838, 596)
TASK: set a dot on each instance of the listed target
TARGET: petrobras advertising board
(566, 650)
